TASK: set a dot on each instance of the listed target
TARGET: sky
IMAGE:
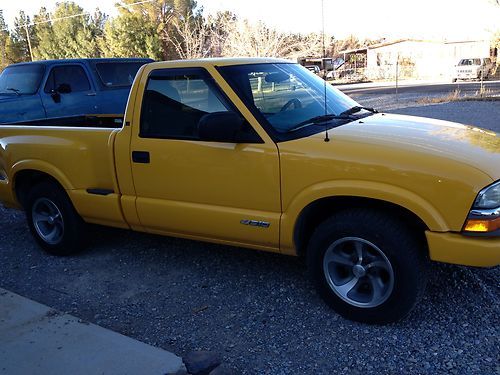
(390, 19)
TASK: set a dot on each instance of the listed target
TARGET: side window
(72, 75)
(175, 100)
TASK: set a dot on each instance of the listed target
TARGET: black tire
(454, 80)
(69, 226)
(400, 247)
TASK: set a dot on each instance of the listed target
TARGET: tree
(308, 45)
(4, 34)
(131, 34)
(45, 46)
(149, 27)
(7, 50)
(20, 37)
(171, 14)
(219, 31)
(68, 33)
(244, 38)
(192, 37)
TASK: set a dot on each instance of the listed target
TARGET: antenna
(323, 63)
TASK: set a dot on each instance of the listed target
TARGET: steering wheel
(296, 104)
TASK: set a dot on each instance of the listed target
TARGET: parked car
(61, 88)
(478, 68)
(366, 198)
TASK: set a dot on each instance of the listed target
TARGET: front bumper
(466, 75)
(459, 249)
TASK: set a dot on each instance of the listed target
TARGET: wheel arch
(23, 179)
(319, 210)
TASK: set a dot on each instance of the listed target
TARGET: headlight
(488, 197)
(484, 216)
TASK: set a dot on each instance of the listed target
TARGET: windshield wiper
(356, 109)
(319, 120)
(13, 89)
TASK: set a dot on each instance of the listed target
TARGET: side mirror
(64, 88)
(220, 127)
(56, 97)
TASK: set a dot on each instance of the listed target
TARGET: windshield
(285, 94)
(465, 62)
(21, 79)
(118, 74)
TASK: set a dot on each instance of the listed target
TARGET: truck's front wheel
(52, 219)
(367, 266)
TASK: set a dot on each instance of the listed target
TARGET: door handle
(91, 94)
(140, 157)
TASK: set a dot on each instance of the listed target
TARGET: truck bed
(81, 159)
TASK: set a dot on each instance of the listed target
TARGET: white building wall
(423, 60)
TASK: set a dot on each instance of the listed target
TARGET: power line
(76, 15)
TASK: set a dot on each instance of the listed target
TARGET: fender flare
(40, 166)
(382, 192)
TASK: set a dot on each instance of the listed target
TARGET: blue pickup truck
(63, 88)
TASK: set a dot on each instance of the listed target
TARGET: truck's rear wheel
(52, 219)
(367, 266)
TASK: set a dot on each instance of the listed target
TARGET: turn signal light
(483, 226)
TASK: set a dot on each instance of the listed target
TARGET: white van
(477, 68)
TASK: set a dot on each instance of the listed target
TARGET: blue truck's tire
(52, 219)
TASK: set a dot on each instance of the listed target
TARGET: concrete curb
(35, 339)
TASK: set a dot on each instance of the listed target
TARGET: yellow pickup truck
(260, 153)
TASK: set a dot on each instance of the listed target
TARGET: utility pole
(397, 74)
(29, 40)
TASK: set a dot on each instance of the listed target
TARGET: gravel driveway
(485, 114)
(257, 309)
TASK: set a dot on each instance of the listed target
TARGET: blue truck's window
(72, 75)
(120, 74)
(21, 79)
(175, 100)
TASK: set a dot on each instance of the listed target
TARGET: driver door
(80, 100)
(227, 192)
